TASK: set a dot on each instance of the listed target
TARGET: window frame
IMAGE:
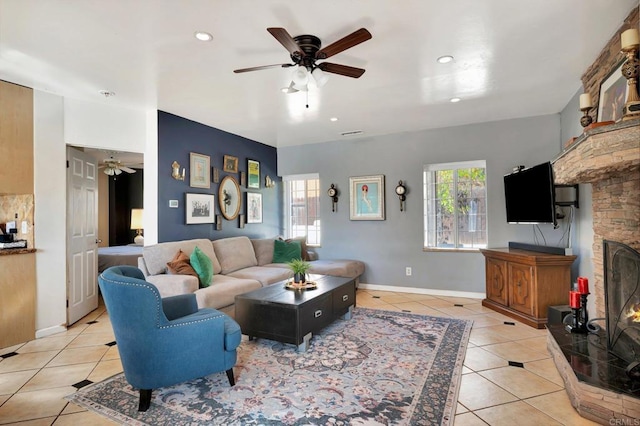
(287, 199)
(457, 165)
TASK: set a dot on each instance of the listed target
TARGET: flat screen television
(530, 195)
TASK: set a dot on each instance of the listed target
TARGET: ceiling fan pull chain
(307, 98)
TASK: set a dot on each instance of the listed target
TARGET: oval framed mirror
(229, 197)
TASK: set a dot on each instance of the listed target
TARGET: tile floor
(33, 382)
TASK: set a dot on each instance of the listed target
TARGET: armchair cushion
(179, 306)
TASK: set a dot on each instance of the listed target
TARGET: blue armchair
(165, 341)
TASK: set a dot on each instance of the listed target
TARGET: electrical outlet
(407, 271)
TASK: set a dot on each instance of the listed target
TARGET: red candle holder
(583, 285)
(574, 299)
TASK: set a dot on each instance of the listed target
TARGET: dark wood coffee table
(292, 316)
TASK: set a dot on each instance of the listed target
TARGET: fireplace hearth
(622, 299)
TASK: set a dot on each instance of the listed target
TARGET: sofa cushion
(284, 252)
(156, 256)
(202, 265)
(180, 265)
(339, 268)
(173, 285)
(223, 290)
(263, 249)
(234, 253)
(266, 275)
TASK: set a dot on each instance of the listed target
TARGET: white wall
(60, 122)
(50, 212)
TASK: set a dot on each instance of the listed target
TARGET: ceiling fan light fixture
(299, 87)
(300, 75)
(320, 77)
(108, 171)
(289, 89)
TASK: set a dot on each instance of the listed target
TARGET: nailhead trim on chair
(159, 302)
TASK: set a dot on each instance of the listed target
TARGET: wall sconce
(333, 194)
(175, 171)
(268, 182)
(401, 190)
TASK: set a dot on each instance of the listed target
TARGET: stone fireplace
(593, 366)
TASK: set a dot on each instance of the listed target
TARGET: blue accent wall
(177, 137)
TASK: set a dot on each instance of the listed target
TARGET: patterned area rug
(380, 367)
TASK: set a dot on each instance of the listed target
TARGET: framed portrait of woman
(366, 197)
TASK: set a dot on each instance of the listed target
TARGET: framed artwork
(366, 197)
(173, 204)
(253, 174)
(218, 223)
(241, 221)
(254, 207)
(199, 166)
(229, 197)
(613, 95)
(216, 175)
(230, 164)
(243, 178)
(200, 208)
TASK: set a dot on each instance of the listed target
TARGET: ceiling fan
(306, 49)
(113, 167)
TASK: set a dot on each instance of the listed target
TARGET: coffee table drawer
(343, 297)
(315, 315)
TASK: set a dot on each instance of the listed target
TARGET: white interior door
(82, 235)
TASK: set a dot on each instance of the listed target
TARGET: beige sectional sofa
(240, 265)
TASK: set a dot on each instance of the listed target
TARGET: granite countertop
(9, 251)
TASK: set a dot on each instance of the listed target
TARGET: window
(455, 206)
(302, 207)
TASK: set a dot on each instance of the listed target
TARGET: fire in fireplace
(622, 299)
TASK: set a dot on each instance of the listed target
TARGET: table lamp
(136, 223)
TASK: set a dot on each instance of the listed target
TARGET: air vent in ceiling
(352, 133)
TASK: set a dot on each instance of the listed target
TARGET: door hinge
(67, 303)
(67, 164)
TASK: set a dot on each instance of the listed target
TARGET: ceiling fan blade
(286, 40)
(263, 67)
(127, 169)
(344, 43)
(341, 69)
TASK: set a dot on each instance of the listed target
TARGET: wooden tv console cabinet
(522, 284)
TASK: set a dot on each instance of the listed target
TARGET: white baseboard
(50, 331)
(433, 292)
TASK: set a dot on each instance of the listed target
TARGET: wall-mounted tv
(530, 195)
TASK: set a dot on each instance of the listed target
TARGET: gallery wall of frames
(212, 184)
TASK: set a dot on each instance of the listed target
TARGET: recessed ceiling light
(203, 36)
(454, 100)
(445, 59)
(334, 119)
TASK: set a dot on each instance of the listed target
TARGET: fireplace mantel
(600, 153)
(608, 157)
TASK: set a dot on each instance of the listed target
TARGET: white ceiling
(512, 59)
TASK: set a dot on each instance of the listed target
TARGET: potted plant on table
(299, 268)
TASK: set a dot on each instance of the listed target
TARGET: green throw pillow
(203, 266)
(284, 252)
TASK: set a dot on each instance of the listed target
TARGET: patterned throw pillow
(180, 265)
